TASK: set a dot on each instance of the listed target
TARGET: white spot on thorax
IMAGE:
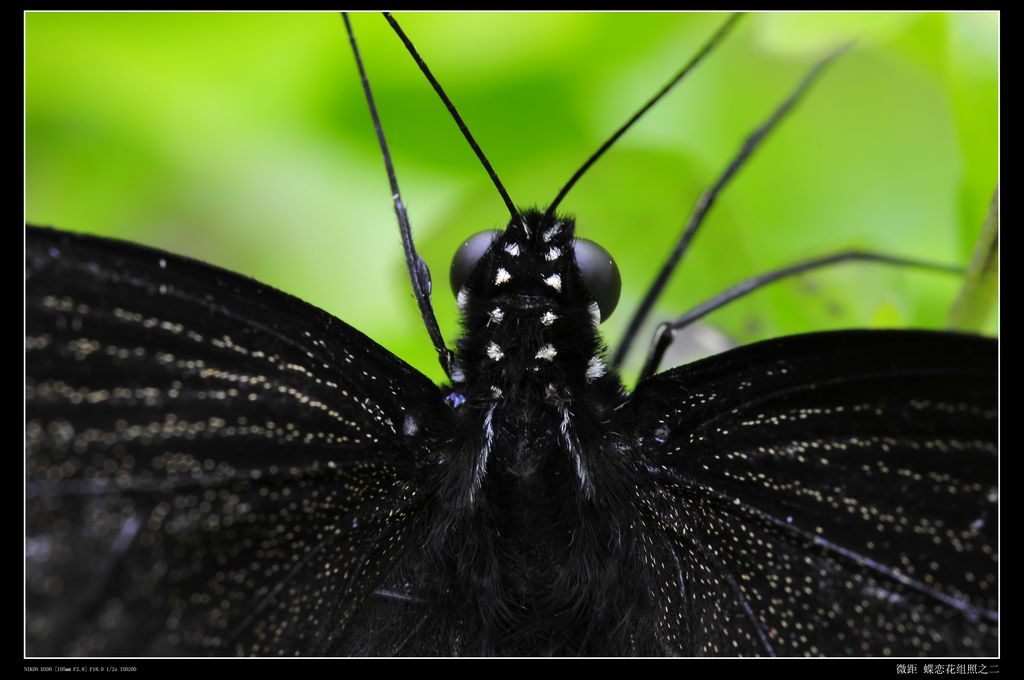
(481, 462)
(496, 315)
(163, 263)
(502, 276)
(573, 448)
(555, 281)
(595, 368)
(553, 254)
(548, 318)
(494, 352)
(547, 352)
(552, 232)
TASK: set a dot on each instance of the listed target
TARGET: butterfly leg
(666, 331)
(707, 199)
(418, 271)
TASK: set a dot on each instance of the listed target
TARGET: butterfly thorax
(529, 371)
(526, 490)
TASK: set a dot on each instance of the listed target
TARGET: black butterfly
(216, 467)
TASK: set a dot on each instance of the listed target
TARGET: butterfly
(216, 467)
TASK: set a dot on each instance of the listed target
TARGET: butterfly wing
(212, 466)
(825, 494)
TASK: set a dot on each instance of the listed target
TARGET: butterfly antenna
(418, 271)
(454, 112)
(697, 58)
(666, 332)
(706, 200)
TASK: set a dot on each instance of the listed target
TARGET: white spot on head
(595, 368)
(552, 232)
(547, 352)
(494, 352)
(462, 299)
(496, 315)
(555, 281)
(553, 254)
(512, 249)
(595, 314)
(548, 318)
(502, 276)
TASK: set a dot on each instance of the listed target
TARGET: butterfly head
(531, 299)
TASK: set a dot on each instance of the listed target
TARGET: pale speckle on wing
(781, 581)
(178, 463)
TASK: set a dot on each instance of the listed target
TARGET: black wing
(212, 466)
(826, 494)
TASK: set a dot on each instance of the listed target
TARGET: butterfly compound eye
(600, 273)
(468, 254)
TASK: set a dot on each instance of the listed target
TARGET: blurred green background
(243, 139)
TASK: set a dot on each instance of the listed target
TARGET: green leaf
(977, 299)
